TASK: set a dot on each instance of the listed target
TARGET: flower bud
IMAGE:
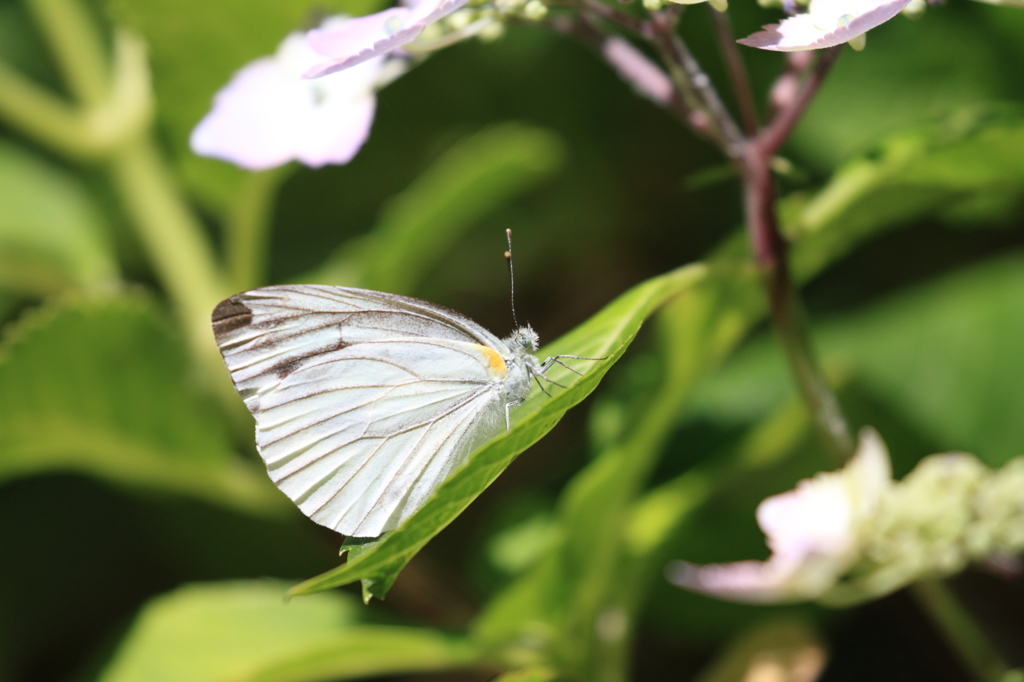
(535, 10)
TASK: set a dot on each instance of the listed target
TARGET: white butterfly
(364, 401)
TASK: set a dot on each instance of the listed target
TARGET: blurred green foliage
(244, 631)
(102, 387)
(125, 476)
(477, 176)
(968, 320)
(52, 235)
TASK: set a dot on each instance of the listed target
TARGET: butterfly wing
(364, 401)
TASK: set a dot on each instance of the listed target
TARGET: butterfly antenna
(511, 278)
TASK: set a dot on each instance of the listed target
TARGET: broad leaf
(246, 632)
(944, 356)
(478, 175)
(865, 97)
(577, 585)
(606, 334)
(51, 232)
(582, 577)
(969, 167)
(103, 388)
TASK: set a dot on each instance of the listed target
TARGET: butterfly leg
(557, 359)
(536, 377)
(509, 406)
(538, 374)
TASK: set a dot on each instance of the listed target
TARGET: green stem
(603, 616)
(108, 125)
(88, 132)
(980, 658)
(794, 336)
(248, 227)
(786, 312)
(173, 238)
(42, 116)
(77, 45)
(182, 257)
(177, 248)
(770, 253)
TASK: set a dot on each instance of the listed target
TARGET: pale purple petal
(744, 581)
(813, 531)
(360, 39)
(251, 118)
(816, 517)
(428, 11)
(335, 132)
(800, 32)
(367, 37)
(267, 115)
(636, 69)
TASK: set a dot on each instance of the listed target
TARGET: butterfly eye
(527, 339)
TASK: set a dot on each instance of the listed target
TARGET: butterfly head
(525, 339)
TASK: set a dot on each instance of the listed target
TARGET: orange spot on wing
(495, 363)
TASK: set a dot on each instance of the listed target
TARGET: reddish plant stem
(693, 85)
(769, 249)
(697, 101)
(752, 152)
(583, 28)
(782, 124)
(785, 309)
(737, 71)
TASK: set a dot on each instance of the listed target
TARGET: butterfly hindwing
(364, 402)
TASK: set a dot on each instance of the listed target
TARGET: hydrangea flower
(814, 532)
(268, 114)
(826, 23)
(358, 40)
(949, 511)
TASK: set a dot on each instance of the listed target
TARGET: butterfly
(366, 401)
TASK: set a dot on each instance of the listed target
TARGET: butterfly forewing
(364, 402)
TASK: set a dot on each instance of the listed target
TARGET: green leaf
(476, 176)
(606, 334)
(558, 601)
(195, 46)
(866, 98)
(518, 547)
(614, 540)
(51, 232)
(970, 166)
(945, 357)
(103, 388)
(246, 632)
(930, 171)
(579, 584)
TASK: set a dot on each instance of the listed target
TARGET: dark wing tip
(229, 315)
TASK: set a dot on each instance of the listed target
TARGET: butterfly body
(364, 401)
